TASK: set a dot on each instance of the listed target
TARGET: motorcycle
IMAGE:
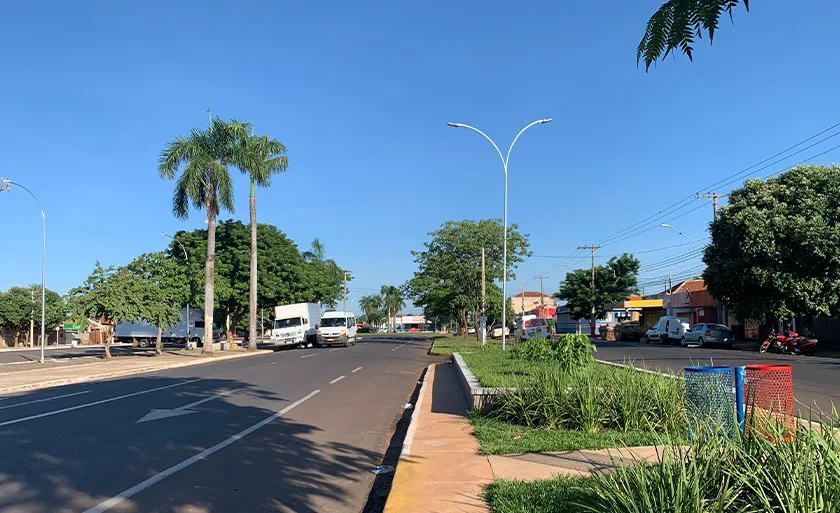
(789, 343)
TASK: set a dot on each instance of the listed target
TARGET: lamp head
(666, 225)
(456, 125)
(546, 120)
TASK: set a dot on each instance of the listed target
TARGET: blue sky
(361, 92)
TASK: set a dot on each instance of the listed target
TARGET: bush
(535, 350)
(569, 351)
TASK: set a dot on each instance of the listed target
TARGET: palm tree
(371, 304)
(260, 158)
(394, 301)
(316, 253)
(205, 183)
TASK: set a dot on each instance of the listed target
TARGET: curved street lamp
(7, 185)
(187, 260)
(505, 161)
(666, 225)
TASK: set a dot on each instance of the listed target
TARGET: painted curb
(108, 375)
(415, 414)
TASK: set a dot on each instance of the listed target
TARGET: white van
(668, 329)
(337, 328)
(531, 326)
(296, 325)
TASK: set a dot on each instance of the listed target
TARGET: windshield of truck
(287, 323)
(331, 322)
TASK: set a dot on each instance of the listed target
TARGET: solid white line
(206, 399)
(357, 369)
(44, 400)
(86, 405)
(336, 380)
(308, 355)
(134, 490)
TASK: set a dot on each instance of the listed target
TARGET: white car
(496, 332)
(531, 326)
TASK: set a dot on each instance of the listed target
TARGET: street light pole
(187, 260)
(6, 184)
(666, 225)
(505, 161)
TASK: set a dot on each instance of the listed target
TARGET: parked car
(628, 330)
(669, 329)
(471, 330)
(496, 331)
(709, 335)
(531, 326)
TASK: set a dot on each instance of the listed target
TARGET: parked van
(667, 330)
(337, 328)
(531, 326)
(296, 324)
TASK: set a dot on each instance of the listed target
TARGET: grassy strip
(559, 495)
(402, 334)
(448, 344)
(497, 437)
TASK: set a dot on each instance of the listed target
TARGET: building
(690, 300)
(527, 302)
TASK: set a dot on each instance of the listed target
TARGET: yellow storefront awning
(636, 303)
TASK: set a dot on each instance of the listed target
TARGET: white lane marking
(134, 490)
(44, 400)
(396, 348)
(157, 414)
(87, 405)
(357, 369)
(308, 355)
(336, 349)
(336, 380)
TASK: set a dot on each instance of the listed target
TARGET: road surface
(816, 380)
(292, 431)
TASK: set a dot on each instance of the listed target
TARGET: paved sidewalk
(52, 376)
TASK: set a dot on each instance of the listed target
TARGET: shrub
(535, 350)
(574, 351)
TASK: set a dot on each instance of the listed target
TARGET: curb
(116, 374)
(478, 396)
(412, 426)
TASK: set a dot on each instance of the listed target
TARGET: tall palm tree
(205, 183)
(317, 253)
(371, 304)
(393, 298)
(259, 158)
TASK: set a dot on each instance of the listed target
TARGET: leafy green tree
(164, 290)
(205, 183)
(676, 24)
(394, 301)
(448, 279)
(260, 158)
(614, 281)
(371, 304)
(16, 306)
(775, 248)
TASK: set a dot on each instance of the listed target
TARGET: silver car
(708, 334)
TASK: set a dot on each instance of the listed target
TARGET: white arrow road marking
(87, 405)
(181, 410)
(44, 400)
(134, 490)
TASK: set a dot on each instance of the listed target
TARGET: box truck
(144, 333)
(296, 325)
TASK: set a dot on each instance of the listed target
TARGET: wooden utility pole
(592, 248)
(714, 197)
(483, 322)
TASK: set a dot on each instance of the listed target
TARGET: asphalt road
(292, 431)
(816, 380)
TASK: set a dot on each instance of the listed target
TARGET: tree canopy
(447, 284)
(775, 248)
(614, 281)
(676, 24)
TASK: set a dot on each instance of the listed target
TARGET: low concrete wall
(478, 396)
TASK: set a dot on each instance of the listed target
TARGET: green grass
(448, 344)
(498, 437)
(402, 334)
(559, 495)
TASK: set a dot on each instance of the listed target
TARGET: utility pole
(714, 197)
(542, 295)
(592, 248)
(32, 319)
(483, 321)
(523, 299)
(345, 289)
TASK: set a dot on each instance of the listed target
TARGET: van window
(333, 322)
(533, 323)
(199, 324)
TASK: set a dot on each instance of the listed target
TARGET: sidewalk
(441, 469)
(52, 376)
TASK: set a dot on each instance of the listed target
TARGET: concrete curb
(53, 348)
(128, 372)
(415, 414)
(477, 395)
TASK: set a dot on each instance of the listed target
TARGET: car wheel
(683, 342)
(143, 342)
(644, 339)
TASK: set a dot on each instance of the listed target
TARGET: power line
(618, 255)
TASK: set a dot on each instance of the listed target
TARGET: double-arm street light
(7, 185)
(505, 161)
(187, 260)
(666, 225)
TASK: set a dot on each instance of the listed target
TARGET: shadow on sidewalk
(447, 394)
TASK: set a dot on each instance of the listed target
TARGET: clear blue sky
(361, 92)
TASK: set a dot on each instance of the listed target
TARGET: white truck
(144, 333)
(296, 325)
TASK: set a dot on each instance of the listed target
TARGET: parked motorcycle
(789, 343)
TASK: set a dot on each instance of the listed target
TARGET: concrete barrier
(478, 396)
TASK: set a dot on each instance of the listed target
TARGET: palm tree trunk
(252, 317)
(209, 273)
